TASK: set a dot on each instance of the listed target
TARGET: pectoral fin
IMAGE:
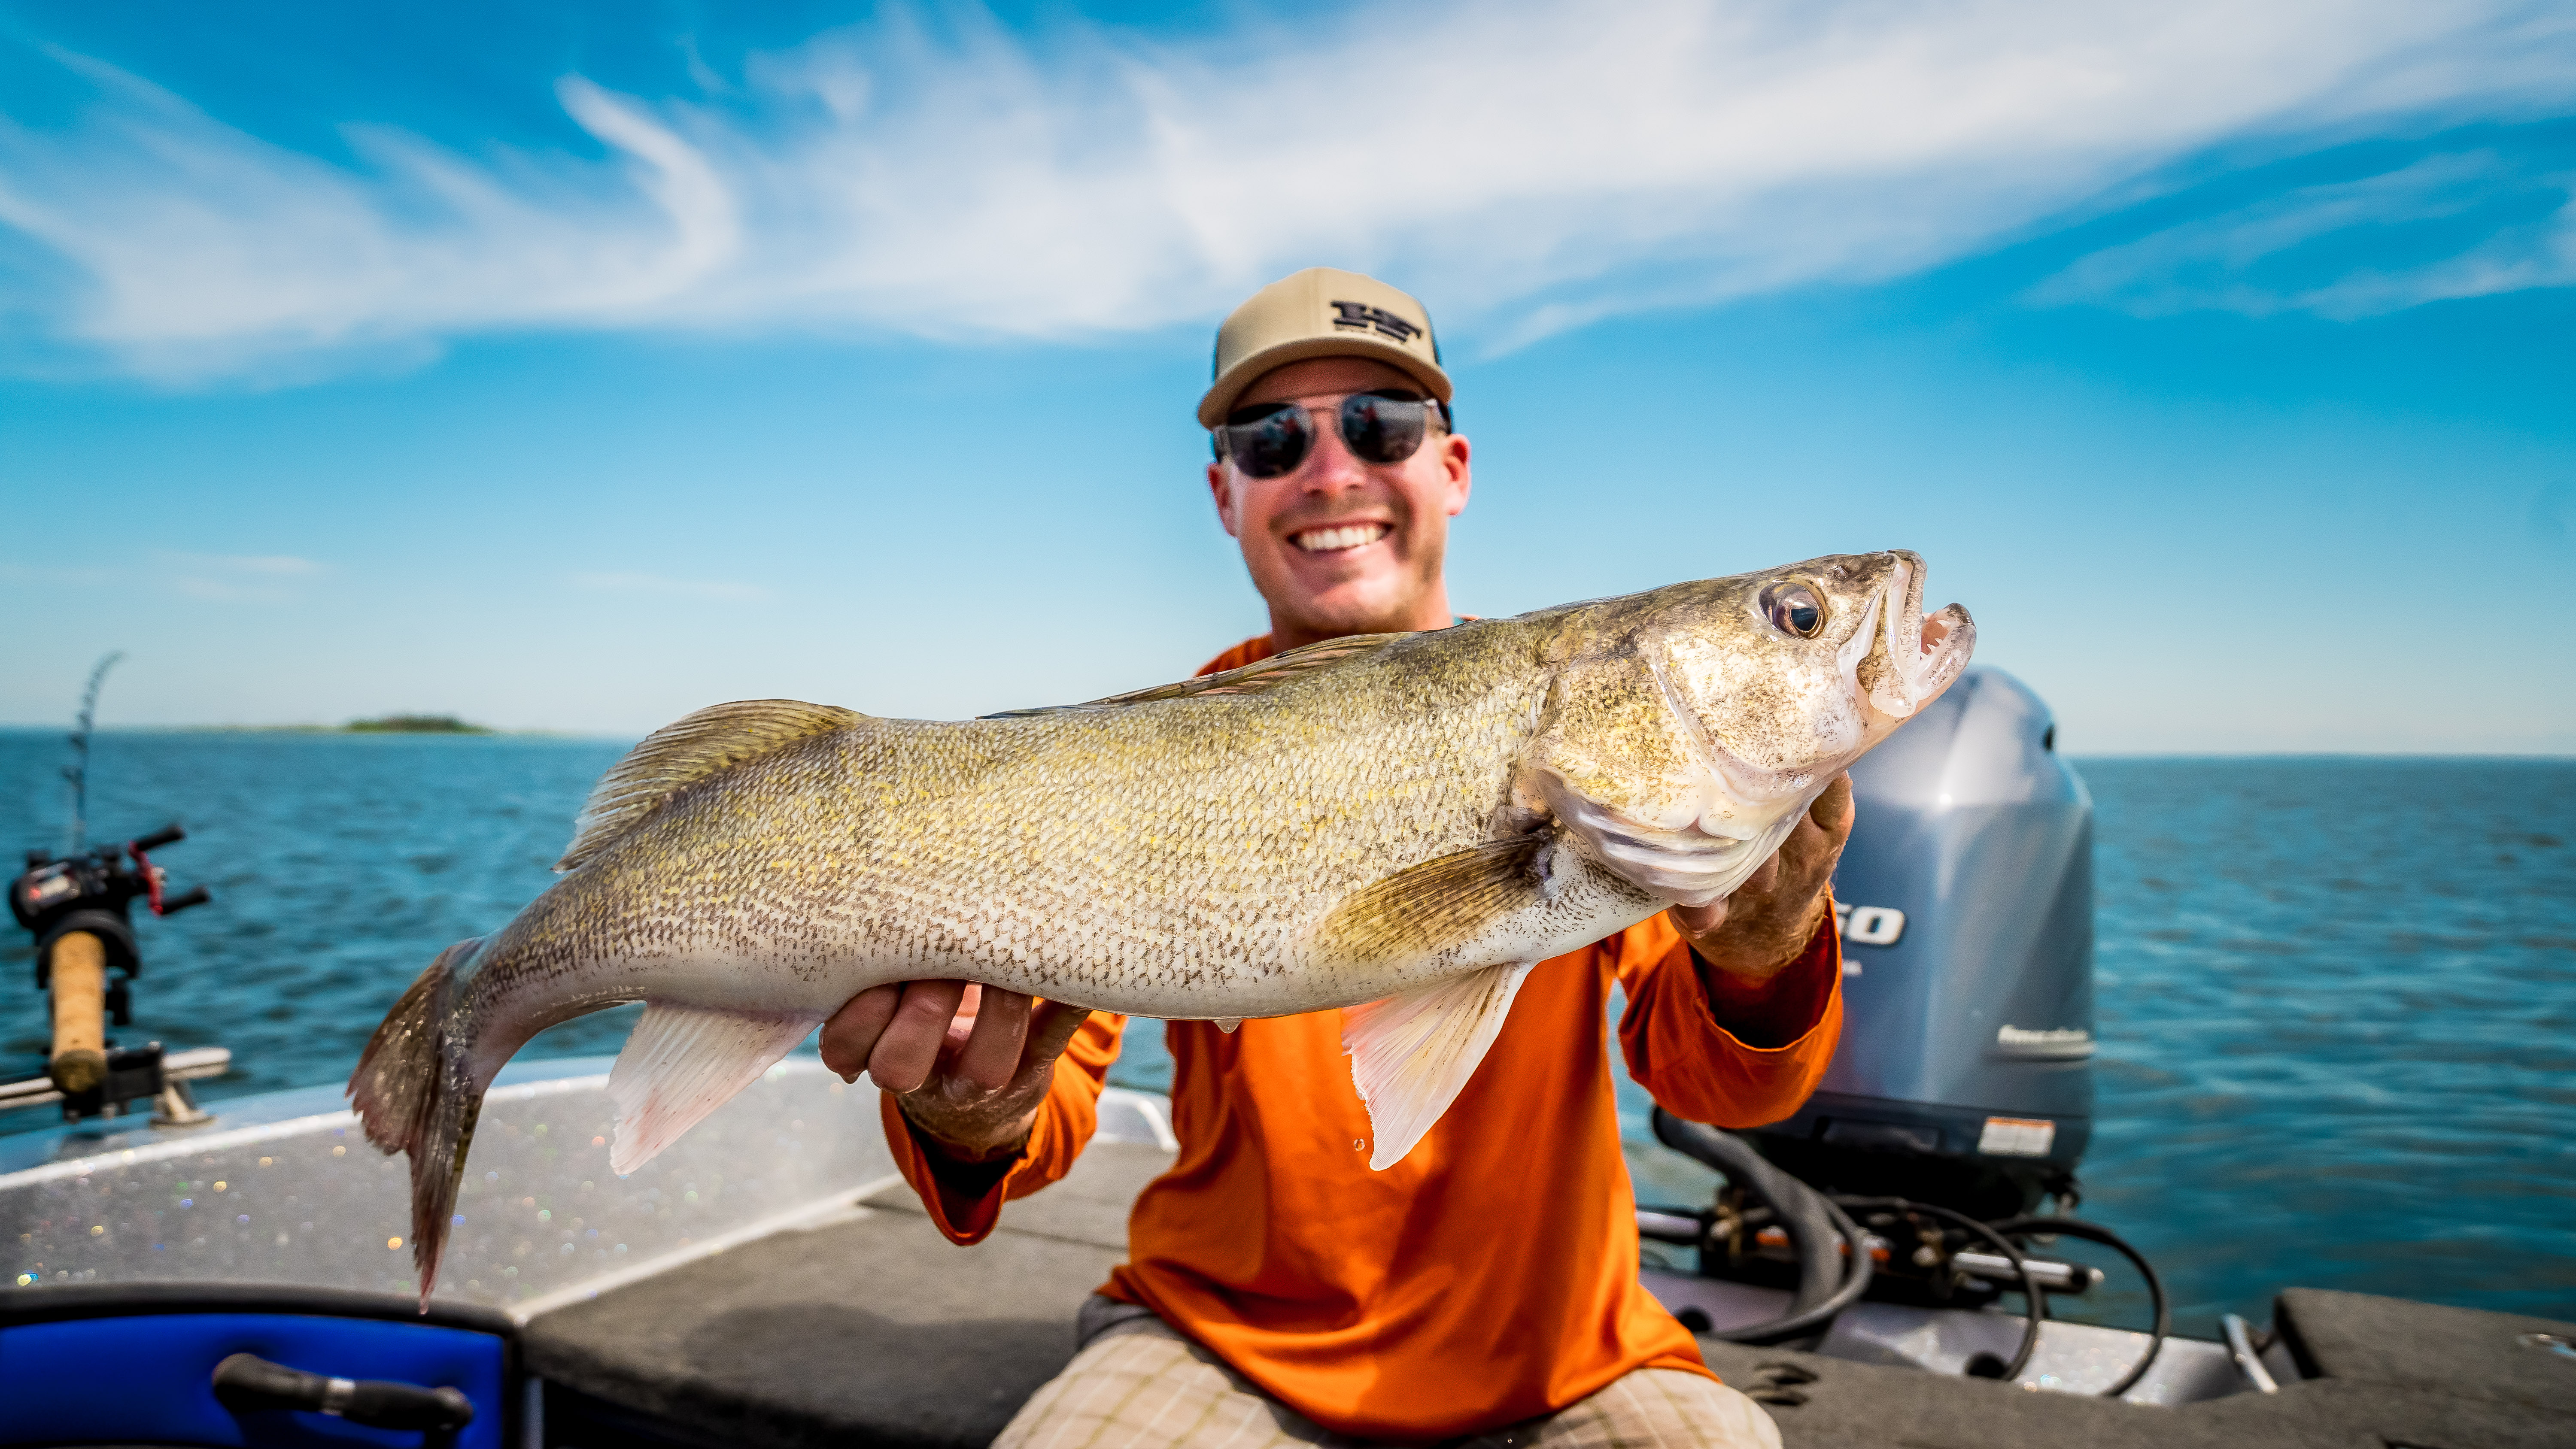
(684, 1062)
(1412, 1054)
(1447, 901)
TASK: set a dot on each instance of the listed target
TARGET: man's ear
(1455, 454)
(1224, 495)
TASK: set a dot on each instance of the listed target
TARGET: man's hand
(1757, 932)
(968, 1064)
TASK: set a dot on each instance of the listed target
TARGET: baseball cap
(1321, 312)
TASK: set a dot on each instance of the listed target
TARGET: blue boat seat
(134, 1364)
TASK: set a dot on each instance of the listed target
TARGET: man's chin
(1330, 616)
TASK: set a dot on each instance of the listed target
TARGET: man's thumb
(1053, 1029)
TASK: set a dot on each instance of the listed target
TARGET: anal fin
(1412, 1054)
(683, 1062)
(1227, 1024)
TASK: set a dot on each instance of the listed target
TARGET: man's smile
(1340, 537)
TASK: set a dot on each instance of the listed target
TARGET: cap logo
(1361, 317)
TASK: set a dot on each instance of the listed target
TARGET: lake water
(2337, 997)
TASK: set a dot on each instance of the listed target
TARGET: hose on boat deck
(2035, 1310)
(1834, 1265)
(2096, 1233)
(1828, 1241)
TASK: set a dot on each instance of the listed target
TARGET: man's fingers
(992, 1053)
(853, 1030)
(909, 1047)
(1817, 840)
(1765, 876)
(1697, 921)
(1833, 811)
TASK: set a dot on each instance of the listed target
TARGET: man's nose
(1331, 464)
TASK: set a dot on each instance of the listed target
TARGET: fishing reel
(79, 909)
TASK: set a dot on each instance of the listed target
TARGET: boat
(241, 1276)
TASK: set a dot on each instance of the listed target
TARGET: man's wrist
(1753, 968)
(1776, 1006)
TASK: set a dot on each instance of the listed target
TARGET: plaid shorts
(1138, 1383)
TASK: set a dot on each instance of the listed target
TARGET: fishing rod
(78, 905)
(78, 770)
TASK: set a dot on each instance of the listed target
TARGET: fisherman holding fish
(1331, 870)
(1285, 1285)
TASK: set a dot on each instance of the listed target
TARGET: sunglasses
(1269, 440)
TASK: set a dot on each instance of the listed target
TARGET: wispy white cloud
(53, 576)
(707, 589)
(233, 578)
(262, 565)
(221, 578)
(2295, 253)
(1542, 164)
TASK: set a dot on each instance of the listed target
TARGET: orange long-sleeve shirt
(1490, 1276)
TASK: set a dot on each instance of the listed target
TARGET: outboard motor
(1966, 895)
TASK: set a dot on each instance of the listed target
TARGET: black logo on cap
(1361, 317)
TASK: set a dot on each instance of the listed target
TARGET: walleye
(1399, 825)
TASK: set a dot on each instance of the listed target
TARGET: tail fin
(415, 1092)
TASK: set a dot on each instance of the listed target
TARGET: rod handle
(78, 1061)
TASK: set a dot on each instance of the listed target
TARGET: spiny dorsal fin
(1442, 902)
(707, 743)
(1253, 678)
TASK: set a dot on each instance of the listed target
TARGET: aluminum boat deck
(768, 1281)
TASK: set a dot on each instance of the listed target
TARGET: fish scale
(1396, 825)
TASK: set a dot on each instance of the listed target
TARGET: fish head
(1690, 727)
(1798, 671)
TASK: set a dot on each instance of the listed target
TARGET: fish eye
(1794, 609)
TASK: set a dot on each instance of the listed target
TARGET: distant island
(415, 724)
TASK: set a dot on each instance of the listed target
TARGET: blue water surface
(2337, 997)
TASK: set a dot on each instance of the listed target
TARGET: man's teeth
(1326, 540)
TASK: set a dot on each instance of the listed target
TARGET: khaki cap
(1321, 312)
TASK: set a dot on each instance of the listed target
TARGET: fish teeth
(1349, 535)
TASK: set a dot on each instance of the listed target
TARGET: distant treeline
(416, 724)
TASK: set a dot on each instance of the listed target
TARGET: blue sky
(573, 369)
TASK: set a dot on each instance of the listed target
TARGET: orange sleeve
(967, 1201)
(1679, 1051)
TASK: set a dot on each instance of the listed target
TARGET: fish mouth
(1904, 663)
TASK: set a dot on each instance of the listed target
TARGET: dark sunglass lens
(1266, 444)
(1382, 427)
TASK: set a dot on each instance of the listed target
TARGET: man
(1279, 1290)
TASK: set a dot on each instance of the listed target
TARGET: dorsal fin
(1253, 678)
(707, 743)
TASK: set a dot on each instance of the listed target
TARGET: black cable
(1855, 1283)
(1793, 1204)
(2096, 1233)
(2037, 1303)
(1809, 1217)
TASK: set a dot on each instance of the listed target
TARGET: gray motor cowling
(1964, 1077)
